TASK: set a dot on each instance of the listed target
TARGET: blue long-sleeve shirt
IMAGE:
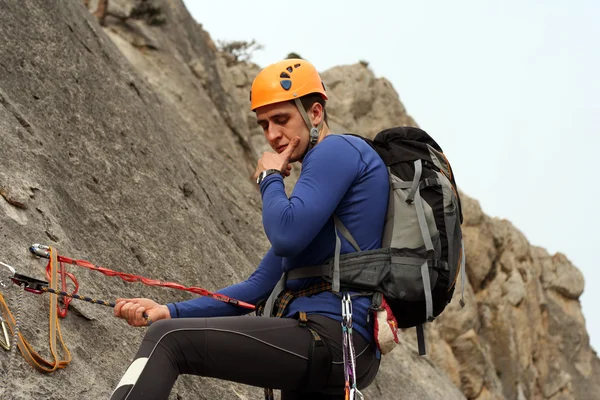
(342, 175)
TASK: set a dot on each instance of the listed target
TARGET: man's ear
(317, 113)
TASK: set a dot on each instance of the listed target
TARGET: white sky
(510, 89)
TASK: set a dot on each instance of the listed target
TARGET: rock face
(130, 145)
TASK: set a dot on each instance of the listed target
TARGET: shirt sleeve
(257, 287)
(328, 171)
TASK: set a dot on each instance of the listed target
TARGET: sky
(510, 90)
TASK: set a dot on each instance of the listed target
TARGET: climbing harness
(351, 391)
(56, 266)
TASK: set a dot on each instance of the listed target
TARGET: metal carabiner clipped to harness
(347, 310)
(349, 355)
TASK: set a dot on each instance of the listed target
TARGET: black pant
(258, 351)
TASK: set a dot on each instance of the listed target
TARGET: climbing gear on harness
(351, 391)
(41, 251)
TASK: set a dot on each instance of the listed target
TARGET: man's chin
(294, 158)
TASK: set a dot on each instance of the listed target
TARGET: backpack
(422, 251)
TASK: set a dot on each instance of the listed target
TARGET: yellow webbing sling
(30, 355)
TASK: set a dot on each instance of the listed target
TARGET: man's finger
(138, 314)
(118, 308)
(291, 147)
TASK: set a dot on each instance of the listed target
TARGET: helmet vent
(286, 84)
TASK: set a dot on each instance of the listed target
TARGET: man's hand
(270, 160)
(132, 310)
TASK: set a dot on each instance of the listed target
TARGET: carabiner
(356, 394)
(40, 250)
(347, 309)
(12, 273)
(5, 339)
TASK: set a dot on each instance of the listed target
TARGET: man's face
(281, 122)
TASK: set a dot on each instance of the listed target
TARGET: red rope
(146, 281)
(62, 312)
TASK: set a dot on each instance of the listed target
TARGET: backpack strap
(415, 181)
(415, 198)
(279, 287)
(339, 225)
(340, 228)
(421, 339)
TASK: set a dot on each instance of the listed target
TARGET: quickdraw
(55, 266)
(351, 391)
(42, 251)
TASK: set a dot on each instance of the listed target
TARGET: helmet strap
(313, 132)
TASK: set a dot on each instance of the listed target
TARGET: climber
(300, 353)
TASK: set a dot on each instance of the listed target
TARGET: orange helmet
(285, 80)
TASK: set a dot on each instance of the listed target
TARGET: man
(301, 352)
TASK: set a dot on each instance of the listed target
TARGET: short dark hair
(310, 99)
